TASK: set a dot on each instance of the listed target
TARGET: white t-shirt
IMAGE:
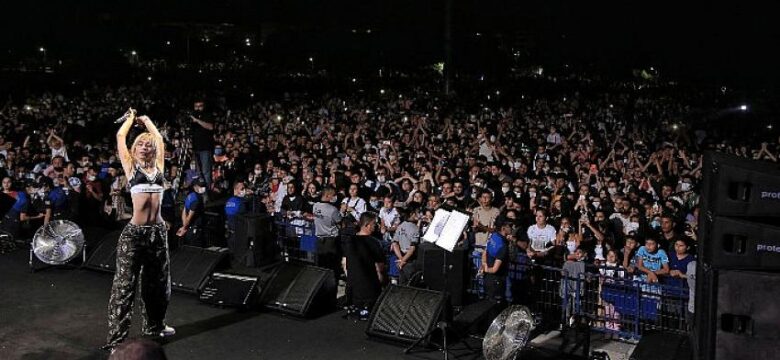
(539, 237)
(358, 204)
(389, 217)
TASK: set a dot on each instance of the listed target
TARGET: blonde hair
(147, 136)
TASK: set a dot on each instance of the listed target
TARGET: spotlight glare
(743, 107)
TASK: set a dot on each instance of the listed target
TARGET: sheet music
(450, 235)
(437, 225)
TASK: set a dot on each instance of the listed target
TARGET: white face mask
(596, 204)
(193, 166)
(258, 171)
(91, 178)
(242, 193)
(612, 191)
(201, 190)
(505, 189)
(381, 178)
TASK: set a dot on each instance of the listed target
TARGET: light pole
(43, 50)
(311, 62)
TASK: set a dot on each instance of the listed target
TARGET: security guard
(235, 206)
(192, 214)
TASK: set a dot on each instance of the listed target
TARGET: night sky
(706, 41)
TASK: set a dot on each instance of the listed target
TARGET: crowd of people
(609, 178)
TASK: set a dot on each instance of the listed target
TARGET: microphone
(124, 117)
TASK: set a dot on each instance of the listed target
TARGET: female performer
(142, 249)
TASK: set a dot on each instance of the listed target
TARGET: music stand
(445, 231)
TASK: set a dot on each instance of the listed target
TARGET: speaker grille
(104, 256)
(405, 314)
(294, 286)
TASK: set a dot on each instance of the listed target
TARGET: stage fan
(508, 334)
(57, 242)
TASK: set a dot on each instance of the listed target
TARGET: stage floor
(60, 313)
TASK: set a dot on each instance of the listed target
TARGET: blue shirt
(652, 262)
(496, 250)
(679, 286)
(22, 203)
(57, 199)
(192, 202)
(234, 206)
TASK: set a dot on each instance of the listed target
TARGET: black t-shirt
(362, 253)
(202, 139)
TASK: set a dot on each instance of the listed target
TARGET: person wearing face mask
(55, 200)
(191, 173)
(191, 215)
(19, 211)
(235, 207)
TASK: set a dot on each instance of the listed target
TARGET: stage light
(498, 92)
(149, 78)
(278, 117)
(382, 91)
(354, 80)
(41, 49)
(311, 59)
(743, 107)
(252, 95)
(675, 127)
(167, 43)
(133, 53)
(769, 127)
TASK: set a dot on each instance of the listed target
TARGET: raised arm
(158, 139)
(121, 143)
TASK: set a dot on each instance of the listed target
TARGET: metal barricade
(630, 306)
(296, 239)
(626, 307)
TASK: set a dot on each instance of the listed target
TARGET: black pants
(329, 254)
(141, 254)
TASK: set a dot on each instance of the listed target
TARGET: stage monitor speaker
(735, 186)
(103, 257)
(230, 290)
(254, 239)
(300, 290)
(405, 314)
(740, 244)
(660, 345)
(190, 267)
(457, 271)
(213, 227)
(737, 314)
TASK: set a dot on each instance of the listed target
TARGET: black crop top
(141, 182)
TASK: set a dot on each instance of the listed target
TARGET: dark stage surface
(60, 313)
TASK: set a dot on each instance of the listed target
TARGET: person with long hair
(142, 248)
